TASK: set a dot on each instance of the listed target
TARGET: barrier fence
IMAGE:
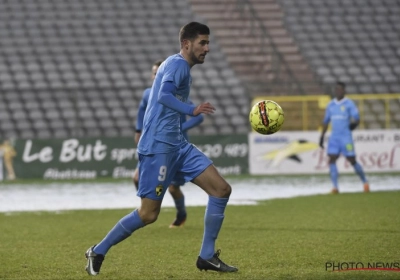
(86, 158)
(377, 111)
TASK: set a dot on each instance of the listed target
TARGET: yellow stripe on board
(305, 112)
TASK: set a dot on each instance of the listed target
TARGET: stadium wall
(88, 158)
(286, 152)
(299, 152)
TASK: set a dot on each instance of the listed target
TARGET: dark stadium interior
(78, 68)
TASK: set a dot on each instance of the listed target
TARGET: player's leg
(153, 184)
(146, 214)
(135, 178)
(333, 173)
(199, 169)
(10, 168)
(333, 154)
(179, 200)
(358, 169)
(219, 191)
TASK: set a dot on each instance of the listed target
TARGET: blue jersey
(340, 114)
(185, 124)
(162, 131)
(142, 109)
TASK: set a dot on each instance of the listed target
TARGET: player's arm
(139, 120)
(192, 122)
(325, 124)
(353, 124)
(168, 99)
(321, 139)
(355, 117)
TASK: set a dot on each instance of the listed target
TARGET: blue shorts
(344, 146)
(157, 171)
(178, 181)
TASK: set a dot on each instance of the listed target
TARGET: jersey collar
(341, 101)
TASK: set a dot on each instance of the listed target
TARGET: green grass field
(276, 239)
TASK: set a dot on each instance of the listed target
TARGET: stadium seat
(44, 133)
(363, 30)
(210, 130)
(70, 60)
(27, 133)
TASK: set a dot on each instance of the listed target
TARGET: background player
(164, 153)
(7, 151)
(343, 115)
(174, 188)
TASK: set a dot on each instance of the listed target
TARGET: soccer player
(343, 115)
(8, 152)
(164, 154)
(140, 116)
(174, 188)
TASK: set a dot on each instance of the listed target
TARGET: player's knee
(224, 190)
(148, 217)
(351, 160)
(332, 160)
(173, 190)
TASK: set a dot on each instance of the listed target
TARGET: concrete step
(247, 49)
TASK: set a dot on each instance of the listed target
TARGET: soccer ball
(266, 117)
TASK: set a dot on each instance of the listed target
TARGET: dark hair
(341, 84)
(191, 30)
(158, 62)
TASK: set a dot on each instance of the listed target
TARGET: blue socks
(180, 207)
(213, 219)
(359, 170)
(334, 174)
(123, 229)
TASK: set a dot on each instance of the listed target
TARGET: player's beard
(196, 59)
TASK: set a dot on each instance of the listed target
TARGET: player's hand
(137, 137)
(321, 142)
(205, 108)
(352, 126)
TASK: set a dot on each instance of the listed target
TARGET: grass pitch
(276, 239)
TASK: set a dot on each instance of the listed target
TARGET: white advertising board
(298, 152)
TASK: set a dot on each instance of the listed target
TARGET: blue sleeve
(327, 117)
(167, 98)
(176, 72)
(142, 110)
(354, 111)
(192, 122)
